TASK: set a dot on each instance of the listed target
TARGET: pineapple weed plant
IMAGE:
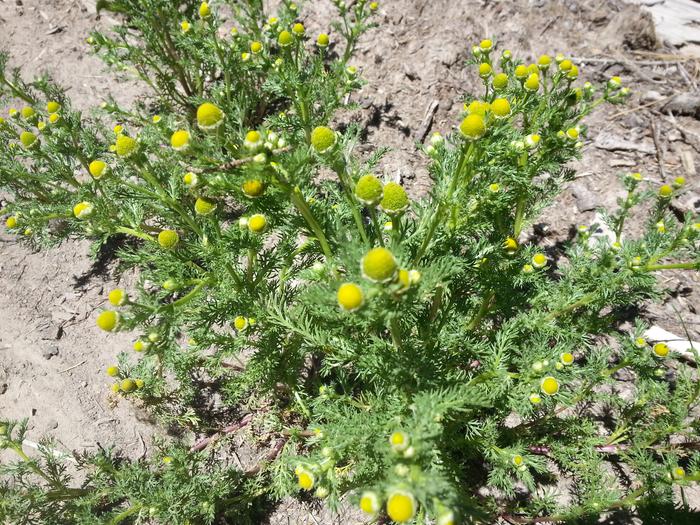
(417, 356)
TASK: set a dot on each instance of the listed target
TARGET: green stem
(345, 182)
(483, 309)
(395, 331)
(35, 468)
(623, 216)
(303, 207)
(134, 233)
(465, 154)
(16, 91)
(172, 203)
(674, 266)
(251, 264)
(610, 371)
(191, 294)
(125, 514)
(232, 272)
(375, 223)
(519, 215)
(586, 299)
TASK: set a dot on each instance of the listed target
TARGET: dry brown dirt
(52, 357)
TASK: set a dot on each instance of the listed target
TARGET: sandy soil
(52, 357)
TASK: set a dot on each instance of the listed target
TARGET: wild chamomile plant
(422, 358)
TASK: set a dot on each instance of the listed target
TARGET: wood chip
(424, 128)
(612, 142)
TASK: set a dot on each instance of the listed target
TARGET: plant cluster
(423, 358)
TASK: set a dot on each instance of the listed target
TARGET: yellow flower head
(484, 70)
(495, 187)
(41, 125)
(28, 139)
(113, 371)
(125, 146)
(245, 57)
(204, 206)
(190, 179)
(379, 265)
(369, 190)
(108, 320)
(401, 506)
(510, 244)
(139, 383)
(500, 81)
(373, 6)
(350, 297)
(395, 200)
(660, 349)
(678, 473)
(240, 323)
(369, 503)
(204, 10)
(209, 116)
(256, 47)
(54, 117)
(298, 29)
(521, 72)
(168, 238)
(323, 139)
(83, 210)
(539, 260)
(323, 40)
(98, 168)
(665, 191)
(27, 112)
(566, 358)
(478, 107)
(52, 106)
(139, 345)
(679, 182)
(185, 26)
(305, 478)
(533, 82)
(473, 127)
(500, 107)
(572, 133)
(544, 61)
(549, 385)
(257, 223)
(118, 297)
(565, 65)
(572, 74)
(128, 385)
(253, 188)
(11, 222)
(399, 441)
(253, 140)
(180, 140)
(404, 278)
(535, 399)
(532, 141)
(285, 39)
(486, 45)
